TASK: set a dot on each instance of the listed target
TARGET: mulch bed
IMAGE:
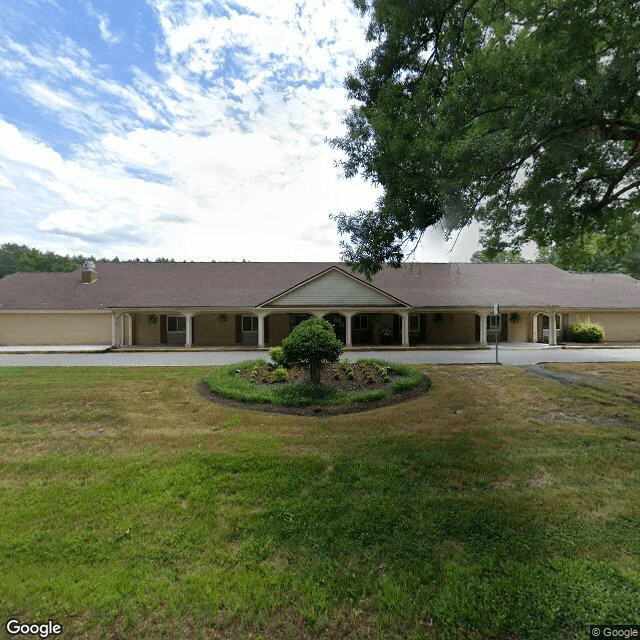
(298, 375)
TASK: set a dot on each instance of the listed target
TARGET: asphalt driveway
(512, 355)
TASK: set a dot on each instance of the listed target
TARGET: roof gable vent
(89, 272)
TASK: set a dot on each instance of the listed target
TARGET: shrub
(280, 374)
(255, 370)
(311, 343)
(277, 355)
(586, 331)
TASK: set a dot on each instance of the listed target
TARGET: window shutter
(163, 329)
(396, 327)
(266, 330)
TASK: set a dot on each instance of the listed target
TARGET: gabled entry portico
(341, 298)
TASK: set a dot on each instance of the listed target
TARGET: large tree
(522, 114)
(599, 253)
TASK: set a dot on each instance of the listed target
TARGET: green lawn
(500, 505)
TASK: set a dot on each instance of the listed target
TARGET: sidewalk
(100, 348)
(56, 348)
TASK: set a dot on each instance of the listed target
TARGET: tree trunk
(315, 370)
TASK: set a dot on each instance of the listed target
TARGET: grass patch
(133, 508)
(227, 382)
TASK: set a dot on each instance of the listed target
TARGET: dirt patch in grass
(320, 411)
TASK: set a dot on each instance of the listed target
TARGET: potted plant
(514, 317)
(152, 319)
(223, 319)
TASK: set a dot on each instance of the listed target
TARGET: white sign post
(496, 325)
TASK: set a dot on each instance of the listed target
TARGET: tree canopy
(20, 257)
(522, 114)
(597, 253)
(592, 253)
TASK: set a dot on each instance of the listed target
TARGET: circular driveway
(512, 355)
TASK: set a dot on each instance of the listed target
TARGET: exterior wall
(619, 326)
(145, 333)
(457, 328)
(522, 330)
(209, 331)
(55, 328)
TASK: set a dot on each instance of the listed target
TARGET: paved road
(507, 355)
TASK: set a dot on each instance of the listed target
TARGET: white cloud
(104, 26)
(47, 98)
(168, 166)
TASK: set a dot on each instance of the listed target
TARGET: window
(360, 323)
(176, 324)
(249, 323)
(493, 323)
(558, 322)
(414, 323)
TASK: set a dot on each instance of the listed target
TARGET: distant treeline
(19, 257)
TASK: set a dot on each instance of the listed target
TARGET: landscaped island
(344, 386)
(306, 375)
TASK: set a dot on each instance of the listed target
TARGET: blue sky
(187, 129)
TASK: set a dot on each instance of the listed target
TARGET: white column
(534, 333)
(189, 333)
(483, 328)
(405, 328)
(347, 337)
(114, 330)
(320, 314)
(260, 331)
(129, 340)
(552, 329)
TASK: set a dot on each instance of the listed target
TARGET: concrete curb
(601, 346)
(41, 350)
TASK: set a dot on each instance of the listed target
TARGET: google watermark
(41, 629)
(614, 631)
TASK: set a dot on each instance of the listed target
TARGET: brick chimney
(89, 272)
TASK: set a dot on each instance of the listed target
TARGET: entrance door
(339, 323)
(543, 328)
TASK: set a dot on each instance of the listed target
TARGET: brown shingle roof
(247, 284)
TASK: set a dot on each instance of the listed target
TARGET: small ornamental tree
(311, 343)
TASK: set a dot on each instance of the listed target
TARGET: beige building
(256, 304)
